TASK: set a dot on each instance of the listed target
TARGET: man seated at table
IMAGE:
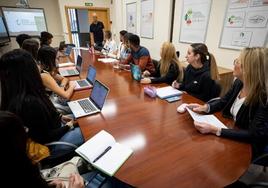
(139, 55)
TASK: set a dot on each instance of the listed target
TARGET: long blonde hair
(253, 65)
(168, 56)
(202, 50)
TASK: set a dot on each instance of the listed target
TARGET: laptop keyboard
(86, 106)
(82, 83)
(71, 72)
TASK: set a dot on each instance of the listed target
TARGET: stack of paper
(107, 60)
(166, 92)
(210, 119)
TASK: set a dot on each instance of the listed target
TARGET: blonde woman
(201, 75)
(245, 102)
(168, 69)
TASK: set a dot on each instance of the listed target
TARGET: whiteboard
(131, 10)
(147, 19)
(245, 24)
(194, 20)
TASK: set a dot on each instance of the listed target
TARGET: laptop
(91, 105)
(68, 50)
(88, 82)
(135, 72)
(72, 71)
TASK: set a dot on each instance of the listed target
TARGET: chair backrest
(178, 54)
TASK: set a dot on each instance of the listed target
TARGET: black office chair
(178, 54)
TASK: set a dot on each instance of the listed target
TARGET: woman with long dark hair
(23, 93)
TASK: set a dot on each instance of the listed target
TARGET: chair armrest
(259, 184)
(61, 143)
(261, 160)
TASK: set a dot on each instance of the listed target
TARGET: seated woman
(45, 39)
(54, 82)
(201, 74)
(13, 141)
(168, 69)
(32, 46)
(23, 93)
(123, 51)
(109, 45)
(245, 102)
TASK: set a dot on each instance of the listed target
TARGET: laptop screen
(91, 74)
(135, 72)
(68, 50)
(99, 94)
(79, 63)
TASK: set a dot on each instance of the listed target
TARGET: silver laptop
(72, 71)
(91, 105)
(88, 82)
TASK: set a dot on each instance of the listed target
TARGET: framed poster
(194, 20)
(147, 19)
(245, 24)
(131, 10)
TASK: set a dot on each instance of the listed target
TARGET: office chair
(60, 157)
(178, 54)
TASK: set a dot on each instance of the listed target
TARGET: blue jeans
(74, 137)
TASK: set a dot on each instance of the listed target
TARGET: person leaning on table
(245, 102)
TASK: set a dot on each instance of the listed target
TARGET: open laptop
(88, 82)
(72, 71)
(135, 72)
(91, 105)
(68, 50)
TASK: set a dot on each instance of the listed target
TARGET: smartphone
(173, 99)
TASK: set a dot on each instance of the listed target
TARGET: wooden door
(103, 16)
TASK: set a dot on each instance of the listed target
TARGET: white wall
(224, 57)
(52, 17)
(80, 3)
(162, 17)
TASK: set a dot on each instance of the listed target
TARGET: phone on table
(173, 99)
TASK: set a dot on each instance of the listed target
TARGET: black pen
(105, 151)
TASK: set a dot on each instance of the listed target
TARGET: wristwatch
(218, 133)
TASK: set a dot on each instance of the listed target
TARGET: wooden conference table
(168, 150)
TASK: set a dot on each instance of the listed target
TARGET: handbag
(64, 170)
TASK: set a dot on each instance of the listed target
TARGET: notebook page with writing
(210, 119)
(113, 159)
(92, 148)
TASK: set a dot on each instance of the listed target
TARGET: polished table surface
(168, 150)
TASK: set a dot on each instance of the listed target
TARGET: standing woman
(23, 94)
(168, 69)
(201, 75)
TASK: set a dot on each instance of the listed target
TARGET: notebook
(72, 71)
(135, 72)
(91, 105)
(168, 91)
(88, 82)
(210, 119)
(104, 153)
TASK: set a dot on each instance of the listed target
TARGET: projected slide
(29, 21)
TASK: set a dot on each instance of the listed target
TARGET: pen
(105, 151)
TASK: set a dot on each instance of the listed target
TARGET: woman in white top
(110, 46)
(122, 44)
